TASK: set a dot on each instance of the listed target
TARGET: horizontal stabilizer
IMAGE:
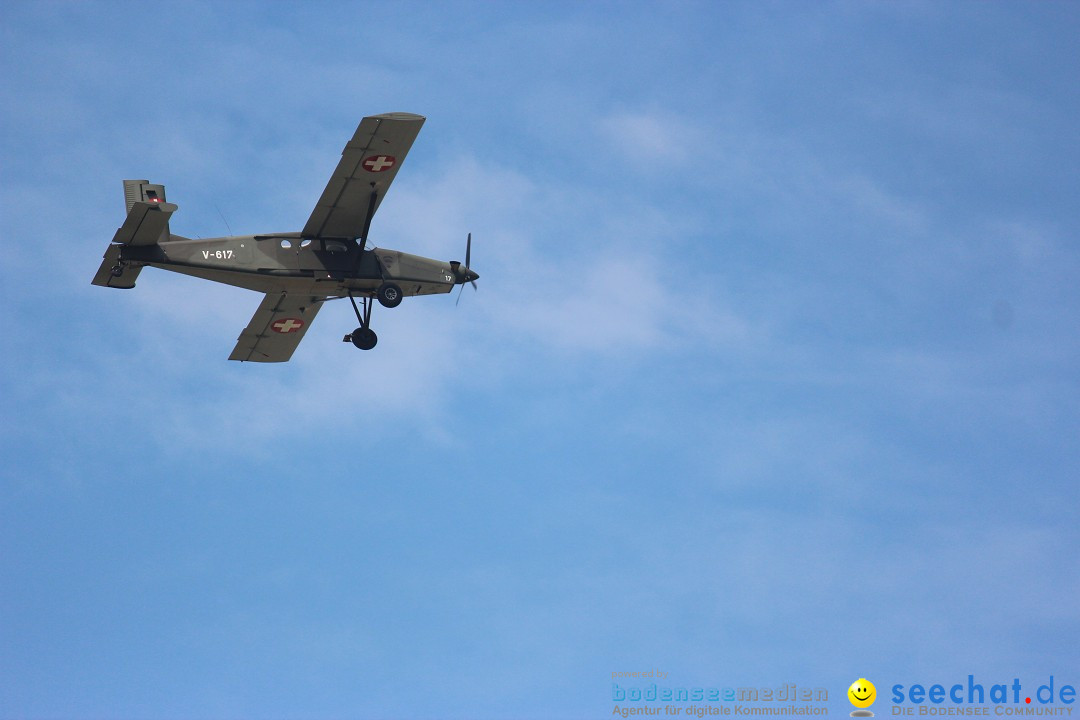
(127, 272)
(147, 223)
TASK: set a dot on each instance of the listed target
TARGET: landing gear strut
(362, 337)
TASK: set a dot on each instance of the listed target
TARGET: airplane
(296, 271)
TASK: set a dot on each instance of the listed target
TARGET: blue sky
(772, 374)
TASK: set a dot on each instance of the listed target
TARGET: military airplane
(297, 271)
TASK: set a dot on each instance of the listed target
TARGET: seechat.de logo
(862, 694)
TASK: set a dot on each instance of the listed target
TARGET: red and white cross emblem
(287, 325)
(379, 163)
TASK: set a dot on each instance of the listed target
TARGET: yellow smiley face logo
(862, 693)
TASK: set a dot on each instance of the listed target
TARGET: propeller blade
(463, 269)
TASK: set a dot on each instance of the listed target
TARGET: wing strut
(367, 221)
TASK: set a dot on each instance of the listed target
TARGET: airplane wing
(368, 165)
(276, 328)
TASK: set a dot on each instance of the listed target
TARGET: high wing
(368, 165)
(277, 327)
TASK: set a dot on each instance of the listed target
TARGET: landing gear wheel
(116, 270)
(364, 338)
(389, 295)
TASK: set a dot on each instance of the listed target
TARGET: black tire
(116, 270)
(389, 295)
(364, 338)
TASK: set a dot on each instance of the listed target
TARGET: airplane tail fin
(148, 214)
(147, 223)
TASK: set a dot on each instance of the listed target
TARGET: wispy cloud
(655, 143)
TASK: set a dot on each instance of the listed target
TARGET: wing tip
(402, 116)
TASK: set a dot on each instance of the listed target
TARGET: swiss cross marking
(287, 325)
(379, 163)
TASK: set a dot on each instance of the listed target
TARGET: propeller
(463, 273)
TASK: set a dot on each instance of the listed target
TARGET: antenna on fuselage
(222, 216)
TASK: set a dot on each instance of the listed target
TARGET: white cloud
(657, 143)
(563, 273)
(572, 270)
